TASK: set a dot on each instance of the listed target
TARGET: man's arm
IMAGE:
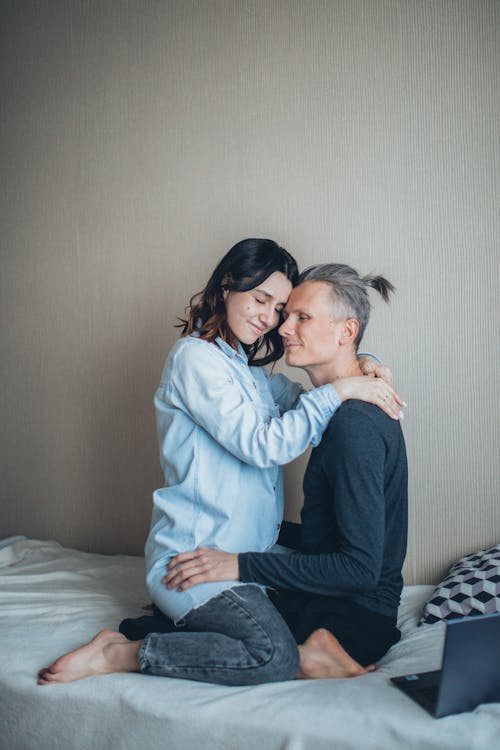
(289, 535)
(352, 468)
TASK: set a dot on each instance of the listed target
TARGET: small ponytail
(381, 285)
(349, 291)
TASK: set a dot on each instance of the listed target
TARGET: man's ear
(349, 331)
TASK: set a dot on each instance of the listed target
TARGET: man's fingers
(186, 571)
(185, 556)
(180, 571)
(191, 582)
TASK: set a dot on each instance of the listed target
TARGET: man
(346, 575)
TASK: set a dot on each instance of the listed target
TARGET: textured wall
(140, 140)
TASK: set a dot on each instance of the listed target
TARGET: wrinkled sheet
(54, 599)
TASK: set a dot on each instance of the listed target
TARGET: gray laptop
(470, 670)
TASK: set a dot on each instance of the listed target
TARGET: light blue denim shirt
(224, 431)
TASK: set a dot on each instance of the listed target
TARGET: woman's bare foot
(107, 652)
(322, 656)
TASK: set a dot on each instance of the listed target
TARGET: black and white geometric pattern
(471, 587)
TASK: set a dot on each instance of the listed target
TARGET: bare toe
(107, 652)
(322, 656)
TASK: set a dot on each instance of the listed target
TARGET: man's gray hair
(349, 291)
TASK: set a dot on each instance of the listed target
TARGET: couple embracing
(231, 606)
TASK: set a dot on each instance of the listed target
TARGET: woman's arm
(286, 392)
(211, 396)
(228, 406)
(372, 366)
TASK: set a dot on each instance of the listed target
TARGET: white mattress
(53, 599)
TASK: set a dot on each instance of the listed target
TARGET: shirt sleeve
(285, 392)
(353, 463)
(205, 390)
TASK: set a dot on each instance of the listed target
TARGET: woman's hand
(201, 566)
(374, 390)
(374, 369)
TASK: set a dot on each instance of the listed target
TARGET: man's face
(310, 333)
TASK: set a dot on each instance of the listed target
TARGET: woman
(225, 426)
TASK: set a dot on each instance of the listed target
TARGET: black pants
(365, 635)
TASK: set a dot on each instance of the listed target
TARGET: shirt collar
(229, 351)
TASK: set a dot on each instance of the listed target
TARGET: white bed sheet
(53, 599)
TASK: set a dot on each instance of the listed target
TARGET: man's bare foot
(322, 656)
(107, 652)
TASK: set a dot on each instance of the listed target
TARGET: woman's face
(252, 314)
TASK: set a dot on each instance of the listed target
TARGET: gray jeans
(236, 638)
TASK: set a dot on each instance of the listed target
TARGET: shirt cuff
(327, 397)
(243, 569)
(369, 354)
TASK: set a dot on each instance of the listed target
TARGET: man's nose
(285, 327)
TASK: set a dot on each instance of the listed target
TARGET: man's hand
(201, 566)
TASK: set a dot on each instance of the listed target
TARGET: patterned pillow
(471, 587)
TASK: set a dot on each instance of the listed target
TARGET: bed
(53, 599)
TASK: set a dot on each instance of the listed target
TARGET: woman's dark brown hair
(246, 265)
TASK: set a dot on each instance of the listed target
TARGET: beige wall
(142, 139)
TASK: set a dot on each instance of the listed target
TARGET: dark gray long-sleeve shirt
(354, 519)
